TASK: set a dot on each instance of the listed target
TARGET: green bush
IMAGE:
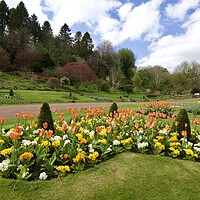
(113, 109)
(183, 124)
(45, 116)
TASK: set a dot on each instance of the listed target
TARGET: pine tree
(45, 116)
(113, 109)
(182, 123)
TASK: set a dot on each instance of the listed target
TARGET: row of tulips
(88, 137)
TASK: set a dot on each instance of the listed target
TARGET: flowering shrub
(31, 153)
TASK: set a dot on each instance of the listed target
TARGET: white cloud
(179, 10)
(142, 20)
(33, 8)
(125, 10)
(170, 51)
(76, 11)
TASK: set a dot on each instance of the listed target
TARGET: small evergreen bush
(45, 116)
(113, 109)
(183, 124)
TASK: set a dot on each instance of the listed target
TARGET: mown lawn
(126, 176)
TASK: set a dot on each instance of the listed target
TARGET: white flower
(19, 167)
(197, 149)
(198, 137)
(142, 145)
(35, 132)
(189, 144)
(91, 133)
(91, 150)
(66, 142)
(43, 176)
(4, 165)
(86, 131)
(65, 137)
(140, 131)
(164, 131)
(56, 137)
(26, 143)
(24, 174)
(116, 142)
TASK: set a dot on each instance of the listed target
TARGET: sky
(159, 32)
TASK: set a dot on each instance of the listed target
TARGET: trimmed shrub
(182, 123)
(45, 116)
(113, 109)
(53, 82)
(11, 93)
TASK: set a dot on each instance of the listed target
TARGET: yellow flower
(26, 156)
(195, 155)
(89, 121)
(64, 156)
(59, 128)
(2, 141)
(91, 137)
(178, 144)
(79, 149)
(172, 144)
(93, 156)
(33, 125)
(155, 140)
(173, 138)
(103, 141)
(6, 151)
(79, 157)
(36, 139)
(104, 132)
(171, 149)
(63, 168)
(83, 141)
(127, 141)
(78, 124)
(177, 152)
(160, 146)
(189, 152)
(79, 135)
(45, 143)
(159, 137)
(56, 143)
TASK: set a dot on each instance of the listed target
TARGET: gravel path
(9, 111)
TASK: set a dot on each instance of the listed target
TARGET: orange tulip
(45, 125)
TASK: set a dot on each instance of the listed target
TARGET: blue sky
(159, 32)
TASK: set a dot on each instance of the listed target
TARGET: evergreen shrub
(45, 116)
(182, 123)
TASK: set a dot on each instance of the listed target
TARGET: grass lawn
(126, 176)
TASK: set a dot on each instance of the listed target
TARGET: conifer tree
(45, 116)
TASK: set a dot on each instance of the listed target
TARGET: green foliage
(105, 86)
(183, 124)
(113, 109)
(45, 116)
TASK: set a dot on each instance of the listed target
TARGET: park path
(9, 111)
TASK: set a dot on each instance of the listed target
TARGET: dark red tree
(28, 59)
(77, 73)
(4, 60)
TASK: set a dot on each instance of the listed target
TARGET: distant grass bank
(126, 176)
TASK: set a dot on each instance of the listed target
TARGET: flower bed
(88, 137)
